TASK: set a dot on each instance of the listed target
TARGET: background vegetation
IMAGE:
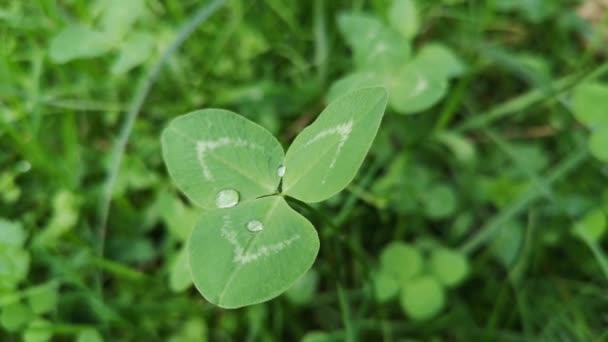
(504, 170)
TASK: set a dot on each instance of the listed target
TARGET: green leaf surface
(401, 261)
(386, 286)
(416, 87)
(460, 146)
(387, 51)
(237, 262)
(318, 336)
(89, 335)
(120, 15)
(403, 17)
(39, 330)
(135, 51)
(443, 61)
(211, 150)
(439, 201)
(11, 233)
(14, 266)
(598, 143)
(422, 298)
(591, 227)
(359, 29)
(354, 81)
(75, 42)
(375, 46)
(508, 243)
(449, 267)
(304, 289)
(326, 155)
(65, 217)
(193, 330)
(14, 316)
(590, 104)
(178, 218)
(43, 299)
(179, 273)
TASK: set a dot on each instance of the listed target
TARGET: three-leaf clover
(249, 246)
(419, 281)
(383, 57)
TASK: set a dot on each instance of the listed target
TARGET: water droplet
(281, 171)
(227, 198)
(255, 226)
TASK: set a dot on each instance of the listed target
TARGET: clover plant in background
(590, 106)
(420, 278)
(113, 33)
(249, 245)
(179, 220)
(383, 56)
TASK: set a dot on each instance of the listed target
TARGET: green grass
(81, 172)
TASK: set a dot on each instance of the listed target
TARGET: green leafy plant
(382, 56)
(590, 106)
(113, 33)
(22, 311)
(249, 246)
(419, 280)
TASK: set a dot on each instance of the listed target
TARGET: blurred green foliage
(507, 169)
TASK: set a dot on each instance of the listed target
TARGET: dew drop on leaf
(255, 226)
(227, 198)
(281, 171)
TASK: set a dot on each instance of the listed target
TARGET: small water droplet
(227, 198)
(255, 226)
(281, 171)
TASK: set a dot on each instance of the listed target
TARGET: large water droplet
(255, 226)
(227, 198)
(281, 171)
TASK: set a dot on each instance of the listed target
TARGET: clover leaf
(78, 41)
(233, 263)
(422, 297)
(449, 267)
(590, 107)
(249, 246)
(383, 57)
(329, 152)
(421, 280)
(590, 104)
(212, 150)
(401, 261)
(403, 16)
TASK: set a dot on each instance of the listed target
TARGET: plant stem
(143, 89)
(316, 212)
(524, 101)
(350, 335)
(599, 256)
(358, 252)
